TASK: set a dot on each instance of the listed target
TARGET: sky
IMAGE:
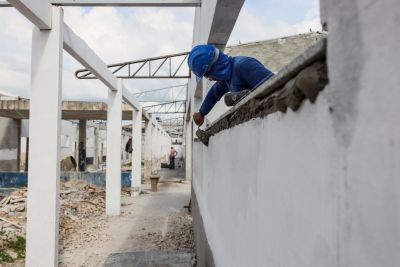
(125, 34)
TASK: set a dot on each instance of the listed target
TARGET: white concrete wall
(319, 187)
(156, 145)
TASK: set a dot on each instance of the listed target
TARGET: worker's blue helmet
(201, 59)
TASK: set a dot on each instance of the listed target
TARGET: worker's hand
(198, 118)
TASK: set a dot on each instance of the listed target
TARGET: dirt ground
(152, 221)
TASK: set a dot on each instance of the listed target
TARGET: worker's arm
(213, 96)
(252, 72)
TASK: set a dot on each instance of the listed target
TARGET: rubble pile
(82, 212)
(179, 236)
(80, 204)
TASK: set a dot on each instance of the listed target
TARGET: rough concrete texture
(320, 186)
(149, 259)
(276, 53)
(9, 144)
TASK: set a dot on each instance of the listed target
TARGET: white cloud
(118, 35)
(115, 36)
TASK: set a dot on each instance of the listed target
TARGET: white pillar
(114, 135)
(188, 147)
(44, 153)
(96, 147)
(137, 150)
(147, 149)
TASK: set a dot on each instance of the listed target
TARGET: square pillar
(44, 151)
(147, 150)
(82, 146)
(114, 138)
(96, 157)
(137, 150)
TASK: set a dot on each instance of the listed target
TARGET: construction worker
(172, 155)
(235, 76)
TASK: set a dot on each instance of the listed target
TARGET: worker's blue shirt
(234, 74)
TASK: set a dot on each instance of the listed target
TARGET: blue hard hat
(201, 59)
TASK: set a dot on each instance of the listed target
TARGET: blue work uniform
(233, 74)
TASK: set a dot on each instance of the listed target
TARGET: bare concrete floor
(143, 219)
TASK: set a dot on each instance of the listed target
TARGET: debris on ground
(82, 209)
(179, 236)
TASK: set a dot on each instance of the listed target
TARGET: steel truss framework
(169, 66)
(167, 108)
(174, 92)
(121, 3)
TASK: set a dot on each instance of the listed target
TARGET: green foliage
(17, 244)
(4, 256)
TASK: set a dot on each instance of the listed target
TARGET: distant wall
(20, 179)
(276, 53)
(10, 130)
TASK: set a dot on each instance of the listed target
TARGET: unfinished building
(301, 172)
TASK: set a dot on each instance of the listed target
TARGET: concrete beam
(79, 50)
(223, 21)
(129, 98)
(44, 153)
(71, 110)
(36, 11)
(114, 133)
(122, 3)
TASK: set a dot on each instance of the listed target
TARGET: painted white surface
(319, 187)
(125, 3)
(38, 12)
(44, 150)
(114, 132)
(147, 140)
(130, 99)
(8, 154)
(137, 149)
(290, 193)
(188, 149)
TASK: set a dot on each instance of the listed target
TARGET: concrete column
(114, 135)
(96, 155)
(82, 146)
(76, 152)
(44, 153)
(147, 150)
(10, 139)
(27, 154)
(137, 150)
(188, 148)
(153, 147)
